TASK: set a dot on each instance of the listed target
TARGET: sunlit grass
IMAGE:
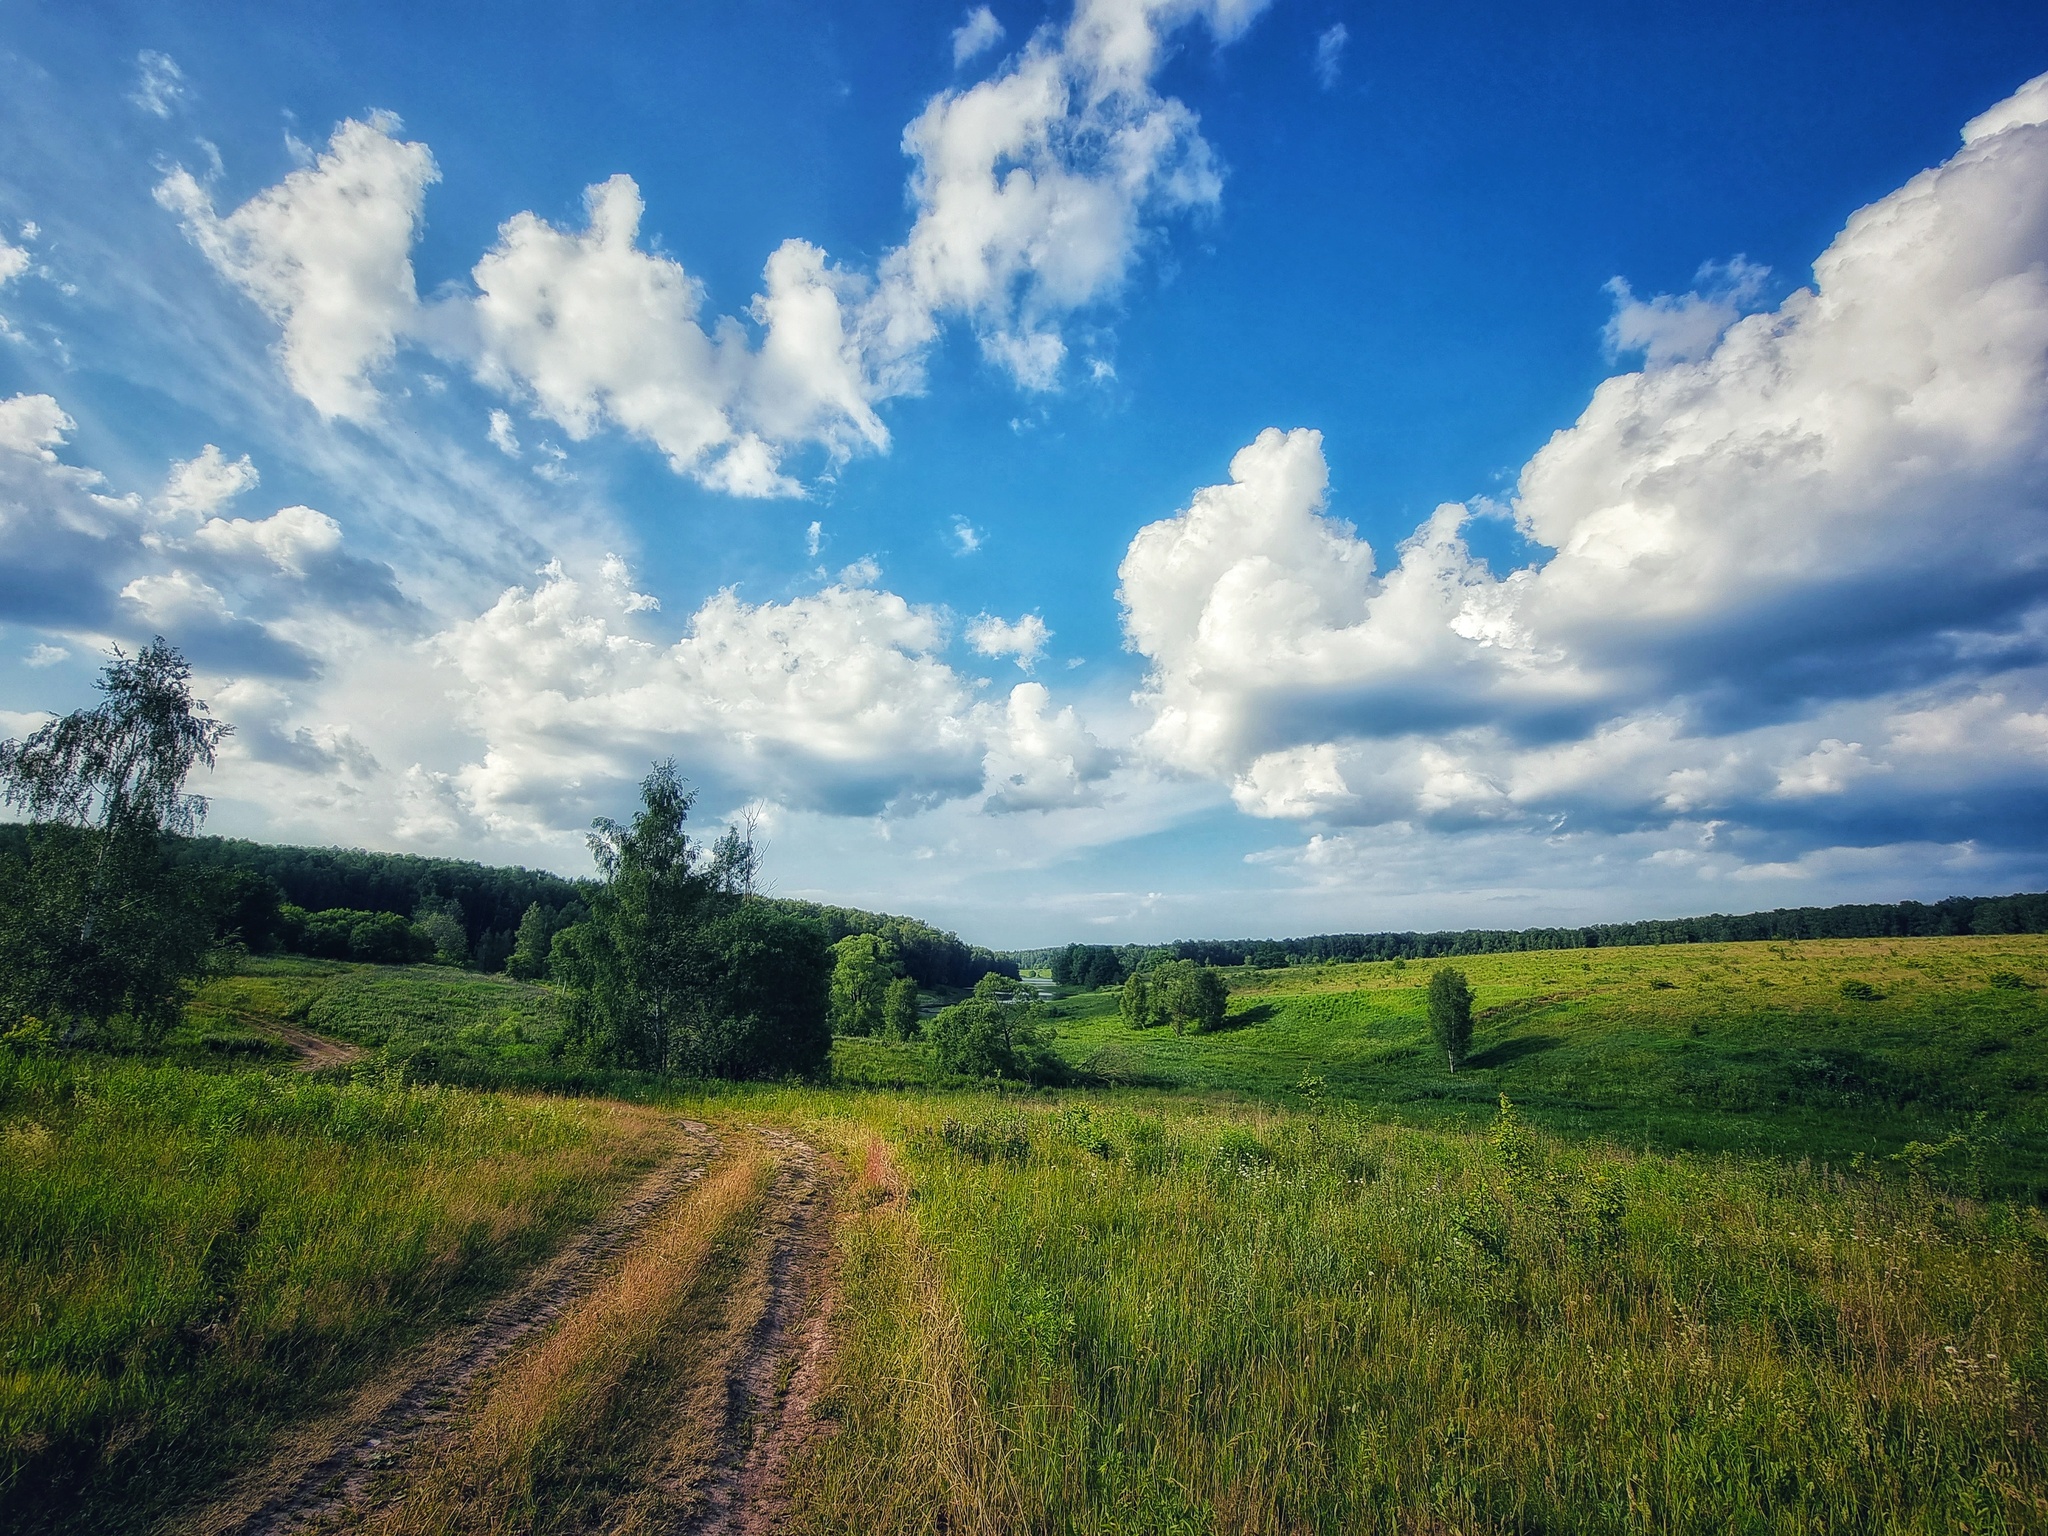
(1194, 1319)
(1740, 1046)
(187, 1256)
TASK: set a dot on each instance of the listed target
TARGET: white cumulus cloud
(200, 486)
(1040, 759)
(1676, 328)
(1034, 192)
(1770, 568)
(327, 254)
(1023, 641)
(1033, 188)
(240, 595)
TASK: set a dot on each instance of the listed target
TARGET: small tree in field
(679, 968)
(94, 924)
(1450, 1013)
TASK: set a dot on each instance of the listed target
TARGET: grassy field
(425, 1020)
(1757, 1245)
(1161, 1316)
(187, 1257)
(1722, 1046)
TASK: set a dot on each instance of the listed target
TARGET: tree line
(1082, 964)
(112, 908)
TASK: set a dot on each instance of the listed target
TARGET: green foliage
(1135, 1005)
(1195, 995)
(97, 934)
(372, 938)
(1450, 1013)
(899, 1009)
(492, 901)
(764, 1010)
(1860, 991)
(1087, 965)
(1192, 998)
(121, 766)
(934, 958)
(997, 1032)
(97, 937)
(1958, 915)
(861, 971)
(677, 970)
(529, 958)
(440, 927)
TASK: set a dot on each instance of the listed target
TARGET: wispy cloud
(159, 83)
(1329, 59)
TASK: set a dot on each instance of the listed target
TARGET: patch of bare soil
(773, 1377)
(324, 1472)
(315, 1051)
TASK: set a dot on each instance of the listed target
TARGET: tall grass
(914, 1446)
(187, 1257)
(1198, 1320)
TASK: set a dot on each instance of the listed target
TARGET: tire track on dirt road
(772, 1380)
(316, 1478)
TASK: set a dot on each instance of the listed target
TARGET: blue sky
(1123, 472)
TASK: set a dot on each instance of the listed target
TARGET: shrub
(1188, 996)
(989, 1036)
(899, 1009)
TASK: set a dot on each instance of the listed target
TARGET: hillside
(1735, 1046)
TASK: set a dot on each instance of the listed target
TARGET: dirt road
(772, 1380)
(702, 1452)
(324, 1470)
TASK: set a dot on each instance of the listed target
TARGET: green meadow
(189, 1258)
(1755, 1243)
(1169, 1315)
(1832, 1049)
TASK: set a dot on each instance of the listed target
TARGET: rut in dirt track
(765, 1421)
(420, 1401)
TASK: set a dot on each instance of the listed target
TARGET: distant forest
(1104, 965)
(489, 901)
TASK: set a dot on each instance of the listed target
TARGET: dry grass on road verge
(525, 1457)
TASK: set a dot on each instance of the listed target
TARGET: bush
(1087, 965)
(995, 1033)
(341, 933)
(767, 1003)
(1190, 997)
